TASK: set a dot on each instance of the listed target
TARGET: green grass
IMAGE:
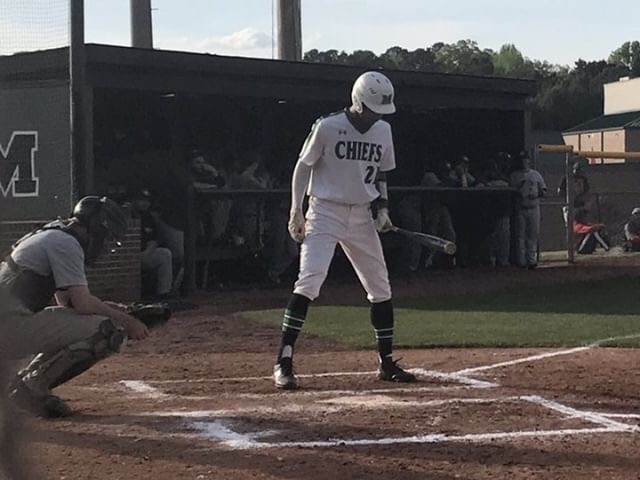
(546, 316)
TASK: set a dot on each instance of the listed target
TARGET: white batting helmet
(374, 90)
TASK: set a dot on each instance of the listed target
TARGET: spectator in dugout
(250, 172)
(632, 232)
(436, 220)
(214, 213)
(500, 210)
(460, 175)
(156, 258)
(589, 236)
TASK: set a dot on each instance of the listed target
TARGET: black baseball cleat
(43, 406)
(389, 371)
(283, 375)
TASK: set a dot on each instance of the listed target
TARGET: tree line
(566, 95)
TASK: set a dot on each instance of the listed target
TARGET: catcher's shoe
(389, 371)
(44, 406)
(283, 375)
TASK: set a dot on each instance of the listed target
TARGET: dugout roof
(169, 71)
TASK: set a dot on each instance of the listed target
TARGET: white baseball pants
(329, 223)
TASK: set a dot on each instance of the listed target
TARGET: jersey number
(371, 173)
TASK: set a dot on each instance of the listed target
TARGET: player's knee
(307, 292)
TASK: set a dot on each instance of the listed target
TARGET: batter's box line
(456, 377)
(332, 405)
(544, 356)
(221, 433)
(142, 389)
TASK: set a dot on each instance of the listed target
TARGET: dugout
(144, 110)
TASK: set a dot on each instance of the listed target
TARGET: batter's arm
(380, 206)
(381, 185)
(299, 183)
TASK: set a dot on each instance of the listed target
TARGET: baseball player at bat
(69, 338)
(342, 166)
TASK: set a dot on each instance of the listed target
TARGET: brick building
(617, 129)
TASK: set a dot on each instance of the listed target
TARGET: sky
(558, 31)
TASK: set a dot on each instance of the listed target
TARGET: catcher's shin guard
(46, 373)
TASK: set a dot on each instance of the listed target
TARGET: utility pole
(289, 30)
(81, 164)
(141, 27)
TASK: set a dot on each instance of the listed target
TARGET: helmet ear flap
(357, 104)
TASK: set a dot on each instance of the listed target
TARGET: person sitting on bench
(589, 236)
(632, 232)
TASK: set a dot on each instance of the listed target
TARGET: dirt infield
(196, 402)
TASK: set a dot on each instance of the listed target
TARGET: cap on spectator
(635, 211)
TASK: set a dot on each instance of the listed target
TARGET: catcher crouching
(67, 339)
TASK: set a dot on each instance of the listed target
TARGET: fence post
(570, 210)
(190, 243)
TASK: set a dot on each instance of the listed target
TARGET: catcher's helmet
(374, 90)
(101, 216)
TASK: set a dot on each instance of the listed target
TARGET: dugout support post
(190, 236)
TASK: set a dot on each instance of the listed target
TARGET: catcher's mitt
(151, 314)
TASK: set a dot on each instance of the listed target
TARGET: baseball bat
(430, 241)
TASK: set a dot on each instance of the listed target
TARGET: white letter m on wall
(17, 165)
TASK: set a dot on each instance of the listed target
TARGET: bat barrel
(429, 241)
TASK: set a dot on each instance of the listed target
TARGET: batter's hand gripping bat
(430, 241)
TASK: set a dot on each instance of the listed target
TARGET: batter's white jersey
(346, 161)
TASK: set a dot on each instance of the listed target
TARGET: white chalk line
(228, 437)
(328, 406)
(575, 413)
(420, 439)
(218, 431)
(544, 356)
(455, 377)
(144, 389)
(599, 343)
(532, 358)
(630, 416)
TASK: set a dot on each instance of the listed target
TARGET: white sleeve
(299, 183)
(313, 147)
(388, 161)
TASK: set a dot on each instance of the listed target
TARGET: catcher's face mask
(105, 222)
